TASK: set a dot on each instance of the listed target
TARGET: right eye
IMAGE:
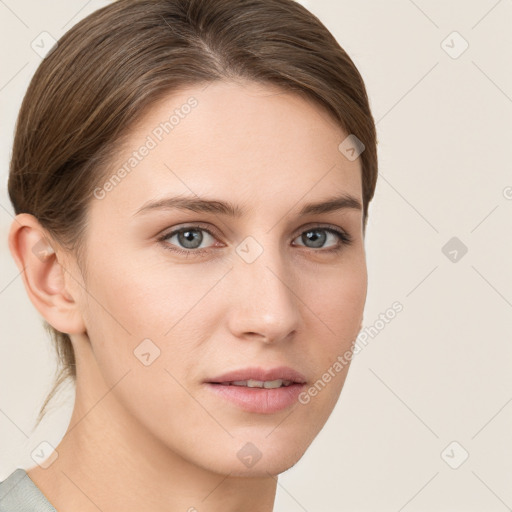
(189, 238)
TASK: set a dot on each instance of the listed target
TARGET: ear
(52, 292)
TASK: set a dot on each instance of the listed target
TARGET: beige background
(440, 371)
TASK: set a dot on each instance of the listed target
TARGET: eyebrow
(205, 205)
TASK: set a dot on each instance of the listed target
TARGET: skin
(153, 437)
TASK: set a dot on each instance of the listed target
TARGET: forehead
(249, 141)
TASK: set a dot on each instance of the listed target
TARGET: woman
(191, 182)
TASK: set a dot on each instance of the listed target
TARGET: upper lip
(261, 374)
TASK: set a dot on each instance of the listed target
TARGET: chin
(258, 456)
(264, 468)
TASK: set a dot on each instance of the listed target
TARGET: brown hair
(108, 70)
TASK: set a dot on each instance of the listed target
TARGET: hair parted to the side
(109, 68)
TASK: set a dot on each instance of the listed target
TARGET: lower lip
(259, 400)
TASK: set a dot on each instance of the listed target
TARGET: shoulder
(18, 493)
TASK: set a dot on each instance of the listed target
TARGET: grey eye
(316, 238)
(189, 238)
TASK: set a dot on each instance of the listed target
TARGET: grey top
(18, 493)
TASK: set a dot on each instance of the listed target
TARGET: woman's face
(267, 288)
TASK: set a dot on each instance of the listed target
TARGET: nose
(264, 304)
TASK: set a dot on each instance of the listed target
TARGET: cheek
(149, 296)
(139, 325)
(143, 310)
(338, 303)
(338, 307)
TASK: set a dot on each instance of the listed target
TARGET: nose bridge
(264, 302)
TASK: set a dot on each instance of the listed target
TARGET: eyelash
(343, 236)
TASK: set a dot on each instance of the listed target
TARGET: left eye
(312, 235)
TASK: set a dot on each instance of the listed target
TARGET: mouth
(258, 390)
(251, 383)
(260, 377)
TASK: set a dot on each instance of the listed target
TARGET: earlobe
(43, 274)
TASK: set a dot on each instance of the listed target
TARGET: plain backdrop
(424, 420)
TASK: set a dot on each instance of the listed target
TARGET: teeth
(271, 384)
(268, 384)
